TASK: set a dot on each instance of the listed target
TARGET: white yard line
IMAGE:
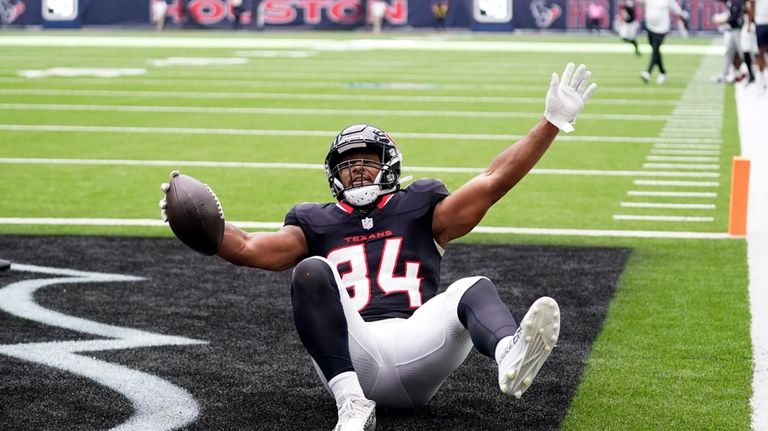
(685, 219)
(681, 152)
(696, 166)
(277, 225)
(681, 159)
(405, 98)
(168, 41)
(662, 183)
(752, 129)
(672, 194)
(319, 167)
(688, 146)
(215, 80)
(667, 205)
(308, 111)
(324, 133)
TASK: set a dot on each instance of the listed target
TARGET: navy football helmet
(363, 138)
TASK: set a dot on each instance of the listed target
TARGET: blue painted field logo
(175, 409)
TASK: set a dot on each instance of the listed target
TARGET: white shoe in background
(661, 78)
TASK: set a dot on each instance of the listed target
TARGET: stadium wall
(563, 15)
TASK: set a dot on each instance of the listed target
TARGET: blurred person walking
(657, 24)
(627, 23)
(732, 21)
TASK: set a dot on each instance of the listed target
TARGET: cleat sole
(540, 332)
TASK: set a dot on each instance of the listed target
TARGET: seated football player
(366, 269)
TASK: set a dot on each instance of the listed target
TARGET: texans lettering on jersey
(387, 258)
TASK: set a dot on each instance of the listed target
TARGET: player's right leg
(323, 315)
(521, 356)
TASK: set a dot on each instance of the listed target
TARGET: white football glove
(567, 96)
(164, 188)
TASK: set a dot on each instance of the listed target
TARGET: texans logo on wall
(10, 10)
(545, 13)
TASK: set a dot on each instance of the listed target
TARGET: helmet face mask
(361, 191)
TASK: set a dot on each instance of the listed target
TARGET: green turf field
(675, 350)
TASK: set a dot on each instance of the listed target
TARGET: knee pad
(313, 276)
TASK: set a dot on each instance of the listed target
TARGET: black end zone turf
(254, 373)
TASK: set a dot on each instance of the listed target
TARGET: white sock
(501, 346)
(345, 383)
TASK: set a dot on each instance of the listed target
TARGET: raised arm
(274, 251)
(459, 213)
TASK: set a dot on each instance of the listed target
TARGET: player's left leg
(436, 340)
(324, 320)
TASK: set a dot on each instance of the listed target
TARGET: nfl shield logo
(367, 223)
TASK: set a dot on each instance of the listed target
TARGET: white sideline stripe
(303, 111)
(626, 217)
(309, 96)
(278, 225)
(751, 109)
(311, 166)
(316, 133)
(158, 404)
(667, 205)
(676, 183)
(672, 194)
(338, 45)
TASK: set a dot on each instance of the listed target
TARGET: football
(194, 214)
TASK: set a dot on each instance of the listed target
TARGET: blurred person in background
(595, 15)
(378, 9)
(440, 11)
(627, 23)
(657, 24)
(159, 9)
(237, 9)
(732, 21)
(759, 16)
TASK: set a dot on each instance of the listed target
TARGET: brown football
(195, 214)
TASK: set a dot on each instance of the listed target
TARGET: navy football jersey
(387, 258)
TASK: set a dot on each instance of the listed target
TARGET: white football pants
(401, 363)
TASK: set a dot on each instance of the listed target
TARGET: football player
(366, 270)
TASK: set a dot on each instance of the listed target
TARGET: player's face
(359, 171)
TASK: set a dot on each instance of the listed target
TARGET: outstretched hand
(567, 95)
